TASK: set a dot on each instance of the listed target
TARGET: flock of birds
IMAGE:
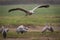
(29, 12)
(21, 29)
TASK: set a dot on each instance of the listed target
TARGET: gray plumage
(4, 31)
(47, 27)
(21, 29)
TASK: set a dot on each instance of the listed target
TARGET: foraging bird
(29, 12)
(4, 32)
(47, 27)
(21, 29)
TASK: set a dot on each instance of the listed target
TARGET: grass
(41, 17)
(34, 35)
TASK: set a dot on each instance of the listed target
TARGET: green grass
(34, 35)
(41, 16)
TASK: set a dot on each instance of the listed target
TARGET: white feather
(35, 8)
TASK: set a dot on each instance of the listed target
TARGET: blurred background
(8, 2)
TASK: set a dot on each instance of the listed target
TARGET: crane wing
(40, 6)
(18, 9)
(46, 6)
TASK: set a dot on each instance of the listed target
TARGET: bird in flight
(29, 12)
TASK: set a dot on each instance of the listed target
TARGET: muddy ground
(13, 29)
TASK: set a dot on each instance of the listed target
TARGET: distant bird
(21, 29)
(4, 31)
(48, 27)
(29, 12)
